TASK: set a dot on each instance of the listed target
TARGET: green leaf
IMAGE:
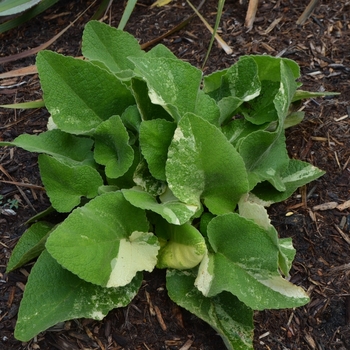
(262, 110)
(160, 51)
(224, 312)
(301, 94)
(228, 106)
(155, 138)
(203, 164)
(78, 94)
(11, 7)
(105, 242)
(25, 105)
(284, 96)
(172, 83)
(207, 108)
(112, 147)
(270, 67)
(62, 146)
(251, 208)
(297, 174)
(182, 247)
(30, 245)
(65, 184)
(245, 263)
(148, 110)
(53, 294)
(131, 118)
(174, 211)
(144, 179)
(241, 81)
(110, 46)
(265, 156)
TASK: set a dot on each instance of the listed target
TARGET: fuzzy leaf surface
(110, 46)
(105, 242)
(66, 184)
(175, 212)
(78, 94)
(172, 83)
(30, 245)
(224, 312)
(245, 263)
(155, 139)
(203, 164)
(112, 147)
(58, 144)
(53, 295)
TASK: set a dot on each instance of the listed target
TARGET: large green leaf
(250, 208)
(66, 184)
(155, 138)
(270, 67)
(244, 262)
(110, 46)
(30, 245)
(53, 294)
(112, 147)
(265, 156)
(78, 94)
(105, 242)
(172, 83)
(173, 211)
(203, 164)
(240, 80)
(297, 174)
(147, 108)
(58, 144)
(224, 312)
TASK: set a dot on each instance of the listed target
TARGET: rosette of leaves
(156, 166)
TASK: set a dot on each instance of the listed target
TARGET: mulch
(316, 216)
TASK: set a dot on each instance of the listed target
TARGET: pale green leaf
(182, 246)
(105, 242)
(301, 94)
(53, 294)
(244, 262)
(112, 147)
(203, 164)
(30, 245)
(11, 7)
(66, 184)
(78, 94)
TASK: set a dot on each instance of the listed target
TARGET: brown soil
(322, 238)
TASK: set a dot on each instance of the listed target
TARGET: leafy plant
(156, 166)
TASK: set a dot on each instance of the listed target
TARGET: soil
(321, 237)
